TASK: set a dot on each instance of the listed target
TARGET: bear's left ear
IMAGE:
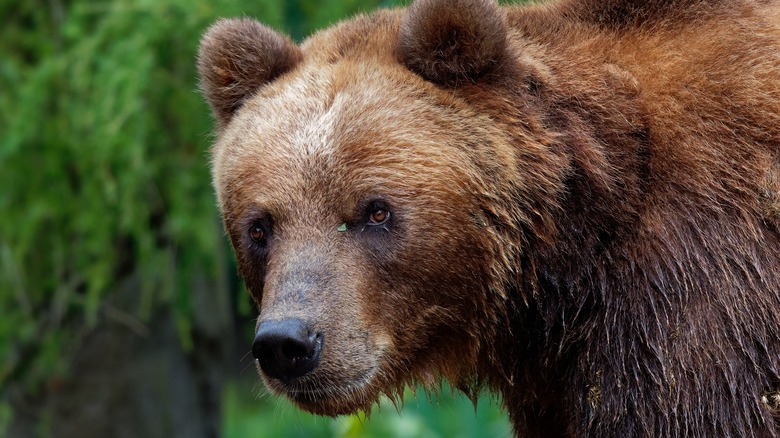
(237, 56)
(450, 42)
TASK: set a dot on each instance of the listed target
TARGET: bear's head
(368, 184)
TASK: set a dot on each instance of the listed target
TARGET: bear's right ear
(238, 56)
(449, 42)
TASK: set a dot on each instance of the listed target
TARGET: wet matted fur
(581, 206)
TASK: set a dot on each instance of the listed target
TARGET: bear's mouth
(330, 395)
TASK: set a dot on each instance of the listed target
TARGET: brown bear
(573, 204)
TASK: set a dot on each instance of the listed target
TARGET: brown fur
(584, 200)
(237, 57)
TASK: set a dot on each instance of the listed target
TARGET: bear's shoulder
(628, 14)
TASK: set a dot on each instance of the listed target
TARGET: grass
(446, 415)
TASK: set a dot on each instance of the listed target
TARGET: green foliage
(420, 416)
(302, 17)
(103, 168)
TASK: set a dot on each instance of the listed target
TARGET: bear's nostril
(294, 350)
(286, 349)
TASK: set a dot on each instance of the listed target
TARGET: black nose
(286, 349)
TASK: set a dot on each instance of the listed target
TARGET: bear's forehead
(333, 130)
(323, 111)
(349, 93)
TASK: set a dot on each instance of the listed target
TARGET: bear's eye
(379, 216)
(256, 233)
(260, 231)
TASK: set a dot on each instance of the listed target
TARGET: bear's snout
(287, 349)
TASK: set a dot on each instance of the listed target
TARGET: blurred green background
(120, 311)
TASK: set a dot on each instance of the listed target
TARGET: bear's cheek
(426, 295)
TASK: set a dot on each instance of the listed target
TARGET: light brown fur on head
(579, 199)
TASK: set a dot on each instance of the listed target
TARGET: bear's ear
(238, 56)
(449, 42)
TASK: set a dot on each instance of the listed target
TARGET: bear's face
(352, 190)
(364, 227)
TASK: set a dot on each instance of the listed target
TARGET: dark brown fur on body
(584, 205)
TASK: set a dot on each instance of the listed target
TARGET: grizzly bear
(573, 204)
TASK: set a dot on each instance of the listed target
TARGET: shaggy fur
(237, 58)
(584, 204)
